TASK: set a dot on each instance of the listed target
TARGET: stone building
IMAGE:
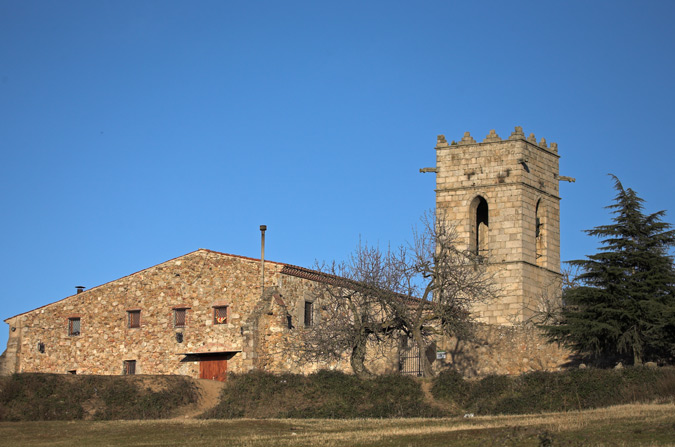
(206, 313)
(201, 315)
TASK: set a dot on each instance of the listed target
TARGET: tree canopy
(623, 303)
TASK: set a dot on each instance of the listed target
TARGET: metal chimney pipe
(80, 289)
(263, 228)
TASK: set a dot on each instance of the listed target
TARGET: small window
(220, 315)
(73, 326)
(129, 367)
(479, 218)
(133, 318)
(179, 317)
(309, 313)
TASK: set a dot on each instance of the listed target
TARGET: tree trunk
(637, 358)
(427, 371)
(358, 357)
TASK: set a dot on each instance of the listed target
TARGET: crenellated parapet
(492, 137)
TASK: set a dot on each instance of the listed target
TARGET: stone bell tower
(502, 197)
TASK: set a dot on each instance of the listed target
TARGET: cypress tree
(624, 305)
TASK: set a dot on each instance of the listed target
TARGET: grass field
(626, 425)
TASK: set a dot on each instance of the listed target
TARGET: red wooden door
(213, 368)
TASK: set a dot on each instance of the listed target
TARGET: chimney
(263, 228)
(80, 289)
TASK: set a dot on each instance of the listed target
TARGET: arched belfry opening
(480, 224)
(539, 233)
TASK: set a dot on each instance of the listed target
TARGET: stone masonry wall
(197, 281)
(518, 178)
(280, 346)
(502, 350)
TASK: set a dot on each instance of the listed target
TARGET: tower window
(539, 234)
(480, 223)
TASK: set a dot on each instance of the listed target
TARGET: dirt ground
(209, 392)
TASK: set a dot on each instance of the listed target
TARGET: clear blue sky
(133, 132)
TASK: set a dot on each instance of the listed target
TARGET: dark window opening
(180, 317)
(220, 315)
(129, 367)
(134, 318)
(309, 313)
(539, 234)
(289, 321)
(73, 326)
(72, 371)
(480, 225)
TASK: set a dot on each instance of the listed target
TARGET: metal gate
(410, 362)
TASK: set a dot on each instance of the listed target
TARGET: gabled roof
(145, 269)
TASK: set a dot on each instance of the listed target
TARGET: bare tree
(419, 291)
(353, 296)
(448, 280)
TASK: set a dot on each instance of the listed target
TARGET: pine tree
(625, 304)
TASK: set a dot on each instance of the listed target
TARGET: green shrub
(449, 385)
(42, 397)
(325, 394)
(556, 391)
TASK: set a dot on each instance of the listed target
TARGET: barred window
(220, 315)
(129, 367)
(73, 326)
(133, 318)
(309, 313)
(180, 317)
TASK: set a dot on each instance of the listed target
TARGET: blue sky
(133, 132)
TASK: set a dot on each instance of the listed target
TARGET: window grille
(73, 326)
(129, 367)
(309, 313)
(134, 318)
(180, 317)
(220, 315)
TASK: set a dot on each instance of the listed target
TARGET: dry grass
(626, 425)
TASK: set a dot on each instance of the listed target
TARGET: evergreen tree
(624, 305)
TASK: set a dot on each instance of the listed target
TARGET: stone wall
(502, 350)
(518, 179)
(256, 336)
(197, 282)
(280, 346)
(263, 331)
